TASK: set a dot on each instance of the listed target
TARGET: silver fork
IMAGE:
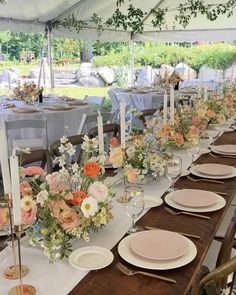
(204, 179)
(130, 272)
(186, 213)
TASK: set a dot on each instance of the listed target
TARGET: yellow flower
(27, 203)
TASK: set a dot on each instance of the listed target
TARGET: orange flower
(91, 169)
(114, 142)
(179, 139)
(78, 198)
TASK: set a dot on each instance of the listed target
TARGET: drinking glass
(193, 149)
(173, 170)
(213, 132)
(133, 204)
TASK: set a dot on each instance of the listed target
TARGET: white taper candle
(165, 108)
(172, 105)
(16, 201)
(122, 123)
(4, 162)
(100, 134)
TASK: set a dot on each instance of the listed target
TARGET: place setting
(224, 151)
(212, 171)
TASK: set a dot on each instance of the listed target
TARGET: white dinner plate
(91, 258)
(195, 172)
(128, 255)
(152, 201)
(220, 203)
(215, 150)
(227, 149)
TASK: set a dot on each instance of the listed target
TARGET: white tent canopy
(33, 15)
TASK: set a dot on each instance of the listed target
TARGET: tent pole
(51, 78)
(132, 44)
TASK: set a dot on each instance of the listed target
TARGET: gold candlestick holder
(13, 271)
(21, 289)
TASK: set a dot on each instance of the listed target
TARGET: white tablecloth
(56, 121)
(60, 278)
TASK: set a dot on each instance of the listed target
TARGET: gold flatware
(180, 233)
(130, 272)
(218, 193)
(186, 213)
(205, 180)
(222, 156)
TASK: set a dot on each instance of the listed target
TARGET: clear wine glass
(213, 132)
(193, 149)
(133, 204)
(173, 170)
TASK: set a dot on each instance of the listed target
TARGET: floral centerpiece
(28, 92)
(185, 130)
(66, 204)
(143, 158)
(172, 80)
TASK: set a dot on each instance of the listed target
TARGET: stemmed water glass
(213, 132)
(133, 204)
(193, 149)
(173, 170)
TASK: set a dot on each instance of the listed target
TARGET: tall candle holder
(13, 271)
(22, 289)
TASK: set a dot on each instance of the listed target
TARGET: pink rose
(57, 182)
(28, 216)
(68, 219)
(98, 191)
(131, 175)
(25, 189)
(33, 170)
(3, 216)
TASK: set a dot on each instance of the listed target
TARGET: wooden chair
(146, 113)
(209, 283)
(98, 100)
(36, 156)
(75, 140)
(110, 130)
(89, 121)
(13, 130)
(225, 252)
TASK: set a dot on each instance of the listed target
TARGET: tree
(4, 38)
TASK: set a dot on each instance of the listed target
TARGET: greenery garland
(132, 20)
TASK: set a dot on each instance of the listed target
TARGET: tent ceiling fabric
(32, 16)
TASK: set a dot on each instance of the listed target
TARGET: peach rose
(57, 207)
(33, 170)
(196, 120)
(4, 216)
(179, 139)
(210, 114)
(194, 130)
(28, 216)
(25, 189)
(57, 183)
(116, 157)
(68, 218)
(131, 175)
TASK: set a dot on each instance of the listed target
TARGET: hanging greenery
(2, 1)
(133, 19)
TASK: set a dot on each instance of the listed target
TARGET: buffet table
(60, 278)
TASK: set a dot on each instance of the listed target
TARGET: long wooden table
(111, 281)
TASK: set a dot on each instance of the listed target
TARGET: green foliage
(218, 56)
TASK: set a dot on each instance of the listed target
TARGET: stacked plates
(193, 200)
(213, 171)
(154, 249)
(24, 110)
(227, 149)
(60, 107)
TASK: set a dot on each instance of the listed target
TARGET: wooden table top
(111, 281)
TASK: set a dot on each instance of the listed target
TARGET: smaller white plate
(151, 201)
(215, 150)
(227, 129)
(91, 258)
